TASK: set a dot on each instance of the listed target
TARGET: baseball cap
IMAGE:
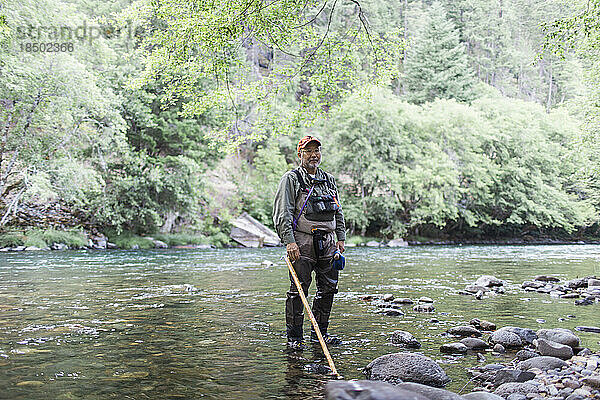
(306, 140)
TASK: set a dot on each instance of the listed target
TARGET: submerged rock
(482, 324)
(424, 308)
(428, 392)
(464, 331)
(474, 343)
(412, 367)
(488, 281)
(453, 348)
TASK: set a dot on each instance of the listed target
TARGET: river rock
(506, 375)
(507, 389)
(498, 348)
(593, 282)
(425, 299)
(549, 348)
(405, 338)
(388, 297)
(474, 289)
(430, 393)
(516, 396)
(526, 335)
(404, 300)
(267, 263)
(577, 283)
(397, 243)
(544, 363)
(532, 285)
(592, 381)
(391, 312)
(559, 335)
(593, 329)
(482, 324)
(474, 343)
(481, 396)
(412, 367)
(488, 281)
(464, 331)
(372, 243)
(546, 278)
(523, 355)
(453, 348)
(424, 308)
(506, 338)
(367, 390)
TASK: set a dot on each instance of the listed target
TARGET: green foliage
(128, 241)
(12, 239)
(455, 167)
(437, 66)
(181, 239)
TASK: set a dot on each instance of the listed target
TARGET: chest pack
(319, 207)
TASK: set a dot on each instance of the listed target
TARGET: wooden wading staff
(312, 318)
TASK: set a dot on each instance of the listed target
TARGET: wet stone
(546, 278)
(474, 343)
(549, 348)
(512, 375)
(544, 363)
(498, 348)
(405, 338)
(526, 354)
(464, 331)
(453, 348)
(388, 297)
(412, 367)
(425, 299)
(559, 335)
(424, 308)
(482, 324)
(404, 300)
(506, 338)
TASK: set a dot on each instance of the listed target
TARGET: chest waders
(313, 227)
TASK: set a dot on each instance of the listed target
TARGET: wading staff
(312, 317)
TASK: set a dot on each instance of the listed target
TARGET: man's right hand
(293, 252)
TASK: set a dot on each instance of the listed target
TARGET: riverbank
(54, 239)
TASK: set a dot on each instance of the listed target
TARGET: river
(210, 323)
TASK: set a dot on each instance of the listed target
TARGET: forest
(440, 119)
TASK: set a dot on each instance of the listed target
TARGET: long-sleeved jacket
(286, 207)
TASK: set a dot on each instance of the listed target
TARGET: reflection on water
(209, 323)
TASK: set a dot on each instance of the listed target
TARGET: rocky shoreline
(548, 364)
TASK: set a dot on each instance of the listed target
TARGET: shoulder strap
(300, 180)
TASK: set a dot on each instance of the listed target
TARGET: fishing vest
(321, 206)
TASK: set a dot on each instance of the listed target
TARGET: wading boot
(330, 340)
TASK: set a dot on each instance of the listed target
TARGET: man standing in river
(309, 221)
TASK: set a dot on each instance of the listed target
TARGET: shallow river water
(210, 323)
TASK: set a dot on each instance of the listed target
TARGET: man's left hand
(340, 246)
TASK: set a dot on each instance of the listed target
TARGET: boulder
(474, 343)
(367, 390)
(488, 281)
(506, 338)
(507, 389)
(397, 243)
(481, 396)
(454, 348)
(412, 367)
(429, 392)
(483, 324)
(544, 363)
(506, 375)
(559, 335)
(526, 335)
(464, 331)
(405, 339)
(549, 348)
